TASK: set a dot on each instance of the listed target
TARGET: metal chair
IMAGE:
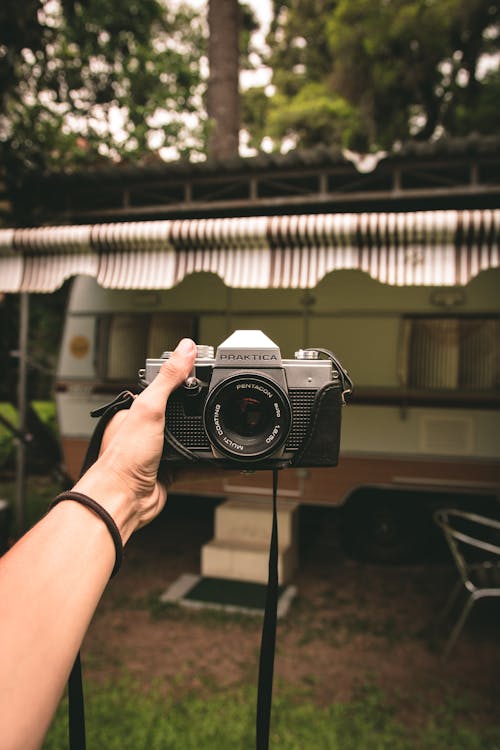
(473, 541)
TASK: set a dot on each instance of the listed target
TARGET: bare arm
(52, 579)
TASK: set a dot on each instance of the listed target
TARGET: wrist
(88, 502)
(103, 485)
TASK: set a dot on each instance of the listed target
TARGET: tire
(383, 526)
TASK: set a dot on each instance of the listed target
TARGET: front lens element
(247, 416)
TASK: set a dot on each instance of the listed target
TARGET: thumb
(150, 404)
(172, 372)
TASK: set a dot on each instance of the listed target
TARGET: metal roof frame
(454, 173)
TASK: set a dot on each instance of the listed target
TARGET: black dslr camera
(249, 409)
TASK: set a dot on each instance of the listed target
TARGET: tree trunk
(223, 103)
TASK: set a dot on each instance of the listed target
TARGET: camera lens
(247, 417)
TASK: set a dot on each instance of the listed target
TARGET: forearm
(50, 584)
(52, 580)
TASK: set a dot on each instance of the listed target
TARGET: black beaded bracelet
(103, 514)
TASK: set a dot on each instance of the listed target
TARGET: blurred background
(355, 145)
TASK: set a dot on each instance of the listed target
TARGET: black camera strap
(76, 707)
(76, 704)
(268, 639)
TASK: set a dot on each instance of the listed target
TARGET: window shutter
(434, 354)
(451, 353)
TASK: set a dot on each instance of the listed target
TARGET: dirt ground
(351, 624)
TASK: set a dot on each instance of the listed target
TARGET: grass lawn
(353, 671)
(40, 490)
(122, 716)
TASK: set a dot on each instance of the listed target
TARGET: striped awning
(429, 248)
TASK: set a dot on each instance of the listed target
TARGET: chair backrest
(466, 534)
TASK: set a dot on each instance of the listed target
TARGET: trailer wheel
(383, 527)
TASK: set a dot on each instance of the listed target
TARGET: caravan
(424, 360)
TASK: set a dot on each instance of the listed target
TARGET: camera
(247, 408)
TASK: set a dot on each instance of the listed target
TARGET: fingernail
(185, 346)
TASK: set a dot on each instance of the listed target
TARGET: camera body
(246, 408)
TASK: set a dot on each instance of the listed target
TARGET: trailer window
(166, 330)
(125, 345)
(451, 353)
(125, 340)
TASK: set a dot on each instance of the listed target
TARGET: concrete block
(250, 520)
(240, 547)
(222, 559)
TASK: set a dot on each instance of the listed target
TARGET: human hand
(124, 479)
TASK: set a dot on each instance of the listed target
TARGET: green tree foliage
(364, 74)
(46, 315)
(86, 80)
